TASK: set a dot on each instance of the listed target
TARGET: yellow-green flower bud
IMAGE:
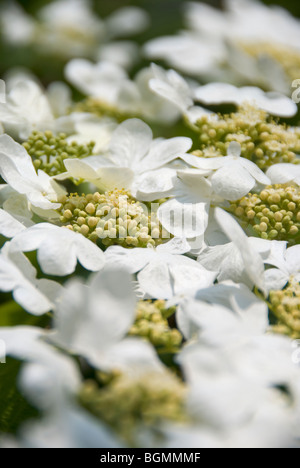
(127, 402)
(113, 218)
(285, 306)
(263, 140)
(269, 220)
(48, 151)
(151, 323)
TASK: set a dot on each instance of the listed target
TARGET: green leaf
(14, 409)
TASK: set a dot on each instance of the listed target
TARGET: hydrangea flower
(163, 272)
(59, 249)
(17, 170)
(37, 296)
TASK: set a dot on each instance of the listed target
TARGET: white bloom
(254, 266)
(17, 206)
(9, 226)
(109, 83)
(59, 249)
(173, 87)
(186, 214)
(102, 80)
(163, 272)
(223, 314)
(287, 263)
(69, 28)
(17, 170)
(37, 296)
(217, 45)
(223, 93)
(232, 177)
(93, 320)
(132, 154)
(24, 26)
(284, 173)
(231, 392)
(93, 129)
(228, 261)
(26, 108)
(188, 51)
(68, 427)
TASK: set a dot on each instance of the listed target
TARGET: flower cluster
(126, 403)
(49, 151)
(262, 140)
(151, 323)
(112, 217)
(285, 305)
(274, 213)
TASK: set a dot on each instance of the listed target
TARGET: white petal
(253, 262)
(130, 142)
(164, 152)
(156, 281)
(283, 173)
(9, 226)
(154, 185)
(132, 260)
(275, 279)
(232, 182)
(187, 220)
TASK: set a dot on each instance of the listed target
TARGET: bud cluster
(151, 323)
(285, 305)
(112, 218)
(287, 57)
(262, 140)
(48, 151)
(273, 213)
(129, 402)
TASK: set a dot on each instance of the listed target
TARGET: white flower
(102, 80)
(231, 391)
(284, 173)
(223, 93)
(37, 296)
(24, 26)
(109, 83)
(254, 266)
(232, 177)
(228, 261)
(92, 321)
(68, 427)
(175, 89)
(26, 108)
(59, 249)
(188, 51)
(93, 129)
(9, 226)
(17, 170)
(164, 272)
(69, 28)
(186, 214)
(223, 314)
(17, 206)
(132, 154)
(287, 263)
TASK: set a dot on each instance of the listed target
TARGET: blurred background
(166, 18)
